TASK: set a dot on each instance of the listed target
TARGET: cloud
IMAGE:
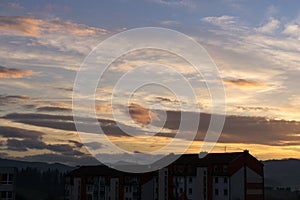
(180, 3)
(104, 108)
(12, 99)
(94, 145)
(29, 26)
(270, 27)
(141, 114)
(52, 109)
(255, 108)
(22, 26)
(221, 20)
(63, 148)
(15, 5)
(165, 99)
(292, 29)
(169, 22)
(237, 129)
(25, 144)
(241, 129)
(15, 73)
(244, 83)
(11, 132)
(66, 123)
(259, 130)
(24, 140)
(76, 143)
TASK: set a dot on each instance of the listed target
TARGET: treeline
(33, 184)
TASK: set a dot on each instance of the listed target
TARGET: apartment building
(8, 183)
(217, 176)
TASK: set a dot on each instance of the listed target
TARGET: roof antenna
(225, 149)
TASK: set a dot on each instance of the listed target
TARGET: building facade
(217, 176)
(8, 183)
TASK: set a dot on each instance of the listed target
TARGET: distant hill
(39, 165)
(282, 173)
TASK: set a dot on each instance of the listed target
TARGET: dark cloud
(65, 122)
(23, 140)
(255, 108)
(25, 144)
(94, 145)
(243, 129)
(15, 97)
(11, 132)
(13, 72)
(15, 100)
(60, 148)
(244, 83)
(29, 106)
(53, 109)
(12, 98)
(237, 129)
(77, 144)
(164, 99)
(259, 130)
(65, 89)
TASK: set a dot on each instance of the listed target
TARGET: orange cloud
(14, 73)
(141, 114)
(28, 26)
(23, 26)
(244, 83)
(104, 108)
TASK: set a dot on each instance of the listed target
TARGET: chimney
(246, 151)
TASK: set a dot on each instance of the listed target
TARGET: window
(3, 195)
(4, 178)
(190, 190)
(225, 180)
(216, 192)
(9, 195)
(89, 188)
(7, 178)
(10, 178)
(215, 168)
(225, 168)
(190, 180)
(225, 192)
(6, 195)
(216, 179)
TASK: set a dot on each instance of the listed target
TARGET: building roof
(211, 158)
(185, 159)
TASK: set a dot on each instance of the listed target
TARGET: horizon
(46, 45)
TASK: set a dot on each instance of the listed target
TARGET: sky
(254, 44)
